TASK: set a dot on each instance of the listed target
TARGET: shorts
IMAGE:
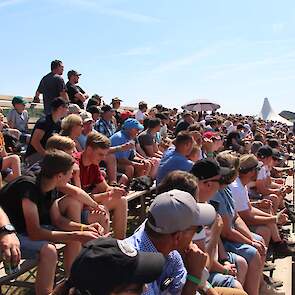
(245, 250)
(30, 249)
(219, 280)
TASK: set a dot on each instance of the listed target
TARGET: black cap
(73, 73)
(93, 109)
(58, 102)
(106, 263)
(106, 108)
(208, 168)
(264, 152)
(276, 154)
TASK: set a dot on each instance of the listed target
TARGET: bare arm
(36, 141)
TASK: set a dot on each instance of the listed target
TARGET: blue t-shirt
(120, 138)
(226, 204)
(171, 161)
(173, 268)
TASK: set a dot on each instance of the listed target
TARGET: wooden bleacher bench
(5, 104)
(27, 272)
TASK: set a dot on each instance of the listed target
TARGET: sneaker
(266, 289)
(268, 266)
(274, 283)
(282, 249)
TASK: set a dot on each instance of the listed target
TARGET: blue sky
(232, 52)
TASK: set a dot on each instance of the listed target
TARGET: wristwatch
(7, 229)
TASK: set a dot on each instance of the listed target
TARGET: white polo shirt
(240, 195)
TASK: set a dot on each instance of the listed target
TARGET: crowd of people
(216, 219)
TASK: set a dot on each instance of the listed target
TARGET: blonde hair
(69, 122)
(60, 142)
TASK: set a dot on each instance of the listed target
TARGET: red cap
(210, 134)
(125, 115)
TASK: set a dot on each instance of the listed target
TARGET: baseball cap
(132, 123)
(208, 168)
(107, 263)
(106, 108)
(19, 99)
(96, 96)
(125, 115)
(176, 210)
(74, 109)
(211, 134)
(116, 99)
(276, 154)
(264, 152)
(93, 109)
(256, 145)
(142, 103)
(73, 73)
(58, 102)
(249, 162)
(86, 117)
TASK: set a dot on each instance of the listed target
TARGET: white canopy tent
(268, 114)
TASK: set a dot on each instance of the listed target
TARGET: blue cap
(132, 123)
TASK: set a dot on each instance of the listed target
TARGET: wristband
(225, 272)
(210, 154)
(82, 227)
(277, 219)
(194, 279)
(207, 287)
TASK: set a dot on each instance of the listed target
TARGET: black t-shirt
(72, 91)
(49, 127)
(51, 86)
(26, 186)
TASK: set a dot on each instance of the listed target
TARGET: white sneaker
(266, 289)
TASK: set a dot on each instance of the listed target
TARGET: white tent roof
(268, 114)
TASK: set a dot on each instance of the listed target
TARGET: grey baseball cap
(176, 210)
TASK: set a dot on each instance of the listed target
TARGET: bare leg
(242, 266)
(252, 281)
(119, 209)
(46, 270)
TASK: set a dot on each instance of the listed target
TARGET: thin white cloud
(185, 61)
(137, 51)
(5, 3)
(96, 6)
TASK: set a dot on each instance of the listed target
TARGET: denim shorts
(30, 249)
(245, 250)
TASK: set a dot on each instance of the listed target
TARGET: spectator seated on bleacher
(140, 113)
(45, 127)
(263, 223)
(9, 243)
(177, 159)
(18, 118)
(108, 266)
(129, 161)
(32, 205)
(147, 139)
(105, 124)
(92, 181)
(72, 126)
